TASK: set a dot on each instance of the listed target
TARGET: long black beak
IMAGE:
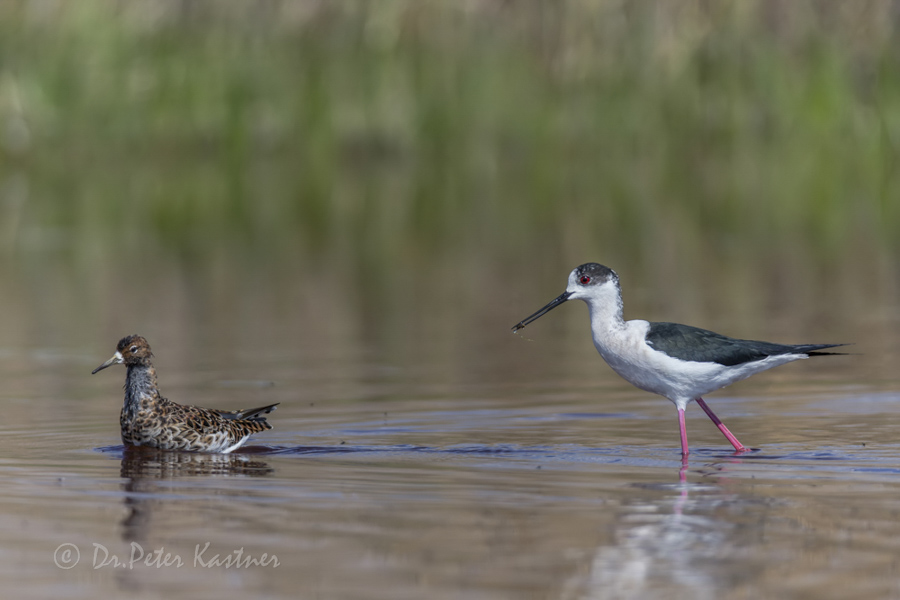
(556, 302)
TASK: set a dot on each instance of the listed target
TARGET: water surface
(391, 480)
(344, 207)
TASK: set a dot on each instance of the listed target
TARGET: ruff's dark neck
(140, 384)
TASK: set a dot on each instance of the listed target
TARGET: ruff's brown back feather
(148, 419)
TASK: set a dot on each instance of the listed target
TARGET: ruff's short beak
(553, 304)
(115, 360)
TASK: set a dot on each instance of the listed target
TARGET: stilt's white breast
(625, 350)
(623, 345)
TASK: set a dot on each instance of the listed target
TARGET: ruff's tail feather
(247, 413)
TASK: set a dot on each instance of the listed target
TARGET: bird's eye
(133, 349)
(585, 280)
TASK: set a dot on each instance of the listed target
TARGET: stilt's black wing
(700, 345)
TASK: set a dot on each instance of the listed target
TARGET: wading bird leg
(734, 441)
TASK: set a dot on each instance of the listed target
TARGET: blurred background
(405, 174)
(344, 206)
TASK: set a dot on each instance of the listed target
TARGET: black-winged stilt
(679, 362)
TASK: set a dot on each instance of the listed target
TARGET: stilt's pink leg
(683, 431)
(734, 441)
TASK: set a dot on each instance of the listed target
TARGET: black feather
(700, 345)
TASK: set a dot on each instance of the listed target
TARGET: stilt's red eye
(585, 279)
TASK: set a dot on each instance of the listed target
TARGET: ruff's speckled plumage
(148, 419)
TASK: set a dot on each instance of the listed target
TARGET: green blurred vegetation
(655, 133)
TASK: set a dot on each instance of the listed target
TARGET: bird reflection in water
(150, 472)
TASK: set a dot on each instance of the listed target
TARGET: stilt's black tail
(813, 349)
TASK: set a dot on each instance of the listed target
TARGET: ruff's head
(131, 350)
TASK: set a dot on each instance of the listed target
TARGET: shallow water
(345, 208)
(396, 480)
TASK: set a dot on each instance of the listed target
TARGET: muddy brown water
(434, 464)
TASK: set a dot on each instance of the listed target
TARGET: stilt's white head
(591, 282)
